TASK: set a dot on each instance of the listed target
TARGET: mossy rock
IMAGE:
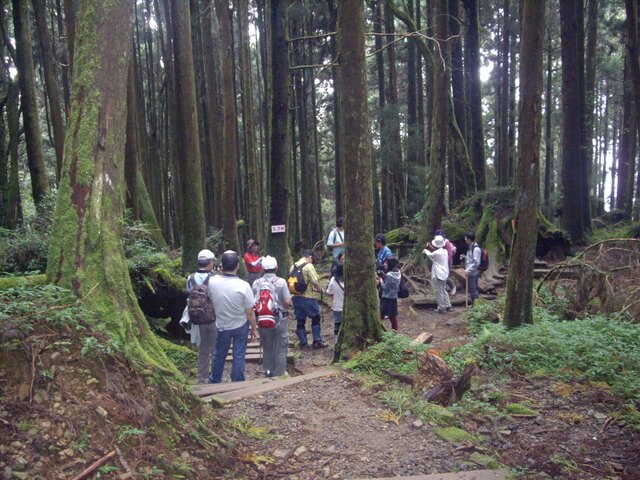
(484, 460)
(29, 280)
(454, 435)
(431, 412)
(519, 409)
(401, 235)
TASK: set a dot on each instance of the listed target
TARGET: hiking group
(225, 311)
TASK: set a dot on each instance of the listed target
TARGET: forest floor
(61, 410)
(336, 427)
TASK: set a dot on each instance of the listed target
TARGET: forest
(134, 134)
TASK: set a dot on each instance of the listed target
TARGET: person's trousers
(205, 351)
(275, 345)
(239, 337)
(306, 307)
(440, 291)
(472, 286)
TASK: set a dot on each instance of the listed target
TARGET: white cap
(269, 263)
(438, 241)
(206, 255)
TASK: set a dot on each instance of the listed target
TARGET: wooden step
(253, 388)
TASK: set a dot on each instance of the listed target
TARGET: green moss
(183, 357)
(454, 435)
(484, 460)
(400, 235)
(31, 280)
(519, 409)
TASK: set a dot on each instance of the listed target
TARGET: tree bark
(30, 113)
(187, 138)
(361, 324)
(279, 171)
(518, 307)
(573, 170)
(548, 139)
(229, 147)
(440, 124)
(53, 93)
(502, 122)
(255, 214)
(85, 250)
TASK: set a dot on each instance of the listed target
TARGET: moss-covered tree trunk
(85, 251)
(440, 123)
(361, 324)
(518, 307)
(278, 243)
(30, 113)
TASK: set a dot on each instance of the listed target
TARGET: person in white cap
(439, 272)
(203, 335)
(275, 341)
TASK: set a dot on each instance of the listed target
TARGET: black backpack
(484, 259)
(403, 289)
(297, 283)
(200, 306)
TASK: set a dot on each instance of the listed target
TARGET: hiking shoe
(318, 344)
(453, 291)
(437, 310)
(304, 346)
(450, 309)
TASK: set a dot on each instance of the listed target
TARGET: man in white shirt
(439, 272)
(235, 319)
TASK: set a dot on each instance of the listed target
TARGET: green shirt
(310, 275)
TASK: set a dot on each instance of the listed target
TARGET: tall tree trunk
(440, 124)
(85, 251)
(474, 92)
(279, 171)
(53, 93)
(361, 324)
(337, 130)
(187, 138)
(384, 178)
(70, 23)
(548, 139)
(589, 92)
(518, 307)
(413, 166)
(229, 147)
(461, 179)
(14, 203)
(502, 132)
(256, 220)
(397, 194)
(573, 177)
(30, 112)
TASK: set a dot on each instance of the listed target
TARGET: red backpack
(267, 307)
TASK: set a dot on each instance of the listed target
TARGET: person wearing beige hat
(203, 335)
(439, 272)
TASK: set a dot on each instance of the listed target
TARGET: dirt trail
(336, 428)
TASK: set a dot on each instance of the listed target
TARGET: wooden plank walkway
(222, 393)
(254, 353)
(500, 474)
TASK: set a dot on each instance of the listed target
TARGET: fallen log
(437, 381)
(424, 337)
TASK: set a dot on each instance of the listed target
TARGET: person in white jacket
(439, 272)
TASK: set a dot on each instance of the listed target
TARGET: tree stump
(435, 378)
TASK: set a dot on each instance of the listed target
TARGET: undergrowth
(395, 352)
(598, 349)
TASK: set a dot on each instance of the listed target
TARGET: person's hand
(253, 334)
(425, 251)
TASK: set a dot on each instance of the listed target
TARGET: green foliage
(183, 357)
(25, 249)
(597, 349)
(619, 230)
(454, 435)
(394, 352)
(243, 424)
